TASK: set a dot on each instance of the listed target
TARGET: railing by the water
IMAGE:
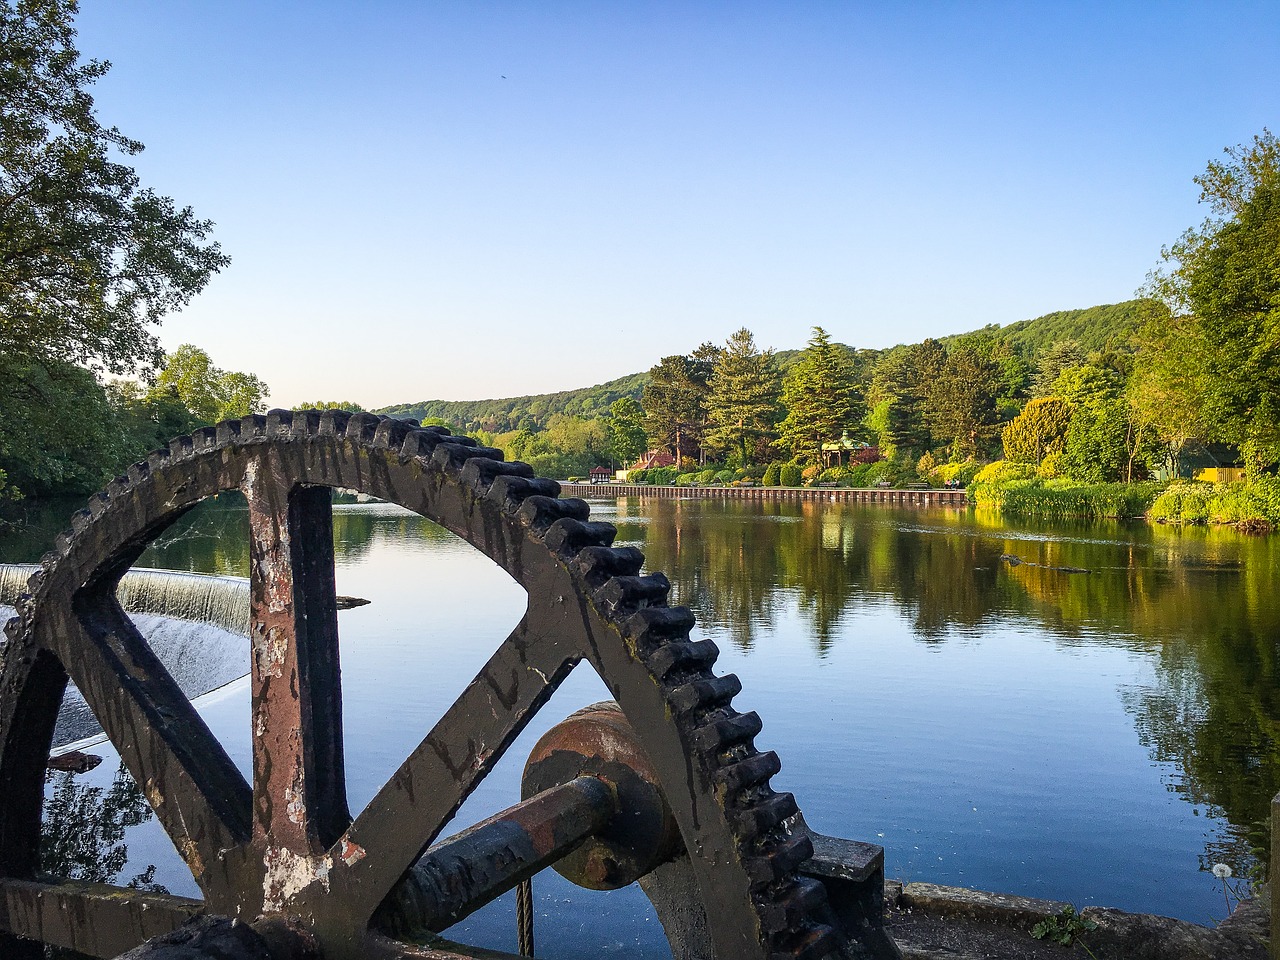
(915, 497)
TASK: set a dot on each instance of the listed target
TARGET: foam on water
(197, 625)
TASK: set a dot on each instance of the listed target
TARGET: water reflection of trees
(83, 830)
(1201, 603)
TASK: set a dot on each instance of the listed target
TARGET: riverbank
(929, 497)
(1014, 489)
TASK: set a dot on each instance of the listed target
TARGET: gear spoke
(410, 810)
(299, 785)
(197, 792)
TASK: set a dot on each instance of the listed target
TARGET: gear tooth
(47, 563)
(597, 564)
(539, 512)
(762, 816)
(180, 448)
(411, 422)
(204, 438)
(138, 472)
(419, 443)
(567, 536)
(751, 771)
(35, 582)
(362, 426)
(678, 657)
(13, 628)
(228, 432)
(728, 731)
(279, 422)
(253, 426)
(511, 491)
(306, 423)
(333, 423)
(622, 596)
(63, 541)
(478, 473)
(390, 434)
(99, 502)
(814, 941)
(156, 460)
(80, 520)
(704, 693)
(780, 861)
(790, 909)
(451, 456)
(118, 487)
(439, 431)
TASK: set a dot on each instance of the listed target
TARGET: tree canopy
(1221, 285)
(821, 397)
(90, 259)
(742, 400)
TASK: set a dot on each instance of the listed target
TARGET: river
(1084, 712)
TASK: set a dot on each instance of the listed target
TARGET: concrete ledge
(960, 902)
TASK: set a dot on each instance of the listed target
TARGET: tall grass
(1053, 499)
(1252, 506)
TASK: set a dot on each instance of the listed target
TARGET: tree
(333, 405)
(896, 398)
(959, 402)
(821, 398)
(742, 401)
(59, 434)
(1038, 431)
(625, 428)
(674, 402)
(89, 259)
(1051, 363)
(1225, 278)
(209, 393)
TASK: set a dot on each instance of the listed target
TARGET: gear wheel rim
(746, 853)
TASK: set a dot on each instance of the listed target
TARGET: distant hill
(1092, 327)
(499, 416)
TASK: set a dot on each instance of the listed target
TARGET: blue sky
(468, 200)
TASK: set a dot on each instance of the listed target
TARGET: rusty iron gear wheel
(285, 845)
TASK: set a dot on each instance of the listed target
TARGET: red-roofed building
(655, 458)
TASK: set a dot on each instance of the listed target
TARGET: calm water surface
(1102, 737)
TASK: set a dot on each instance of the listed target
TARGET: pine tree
(821, 398)
(674, 402)
(742, 405)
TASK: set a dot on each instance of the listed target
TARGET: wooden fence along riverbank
(887, 495)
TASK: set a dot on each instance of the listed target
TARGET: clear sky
(467, 200)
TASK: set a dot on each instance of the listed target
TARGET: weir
(198, 626)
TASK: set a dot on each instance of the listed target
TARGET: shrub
(771, 475)
(663, 476)
(724, 476)
(858, 475)
(810, 473)
(706, 476)
(1252, 506)
(789, 475)
(1002, 470)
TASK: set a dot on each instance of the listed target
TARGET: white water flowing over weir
(198, 626)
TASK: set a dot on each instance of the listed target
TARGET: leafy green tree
(331, 405)
(625, 428)
(208, 392)
(1168, 382)
(59, 434)
(674, 402)
(1225, 276)
(821, 398)
(89, 259)
(1088, 383)
(896, 413)
(959, 403)
(1038, 431)
(1050, 364)
(742, 402)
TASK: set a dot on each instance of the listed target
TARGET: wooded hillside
(1092, 327)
